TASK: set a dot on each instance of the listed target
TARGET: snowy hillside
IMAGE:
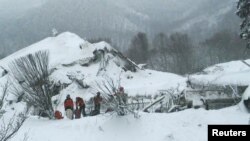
(72, 57)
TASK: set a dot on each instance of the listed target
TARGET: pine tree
(243, 12)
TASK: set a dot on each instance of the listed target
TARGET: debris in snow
(54, 32)
(101, 129)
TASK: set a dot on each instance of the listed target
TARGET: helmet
(98, 93)
(68, 96)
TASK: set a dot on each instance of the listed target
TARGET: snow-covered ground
(181, 126)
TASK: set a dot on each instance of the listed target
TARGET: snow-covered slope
(230, 73)
(62, 49)
(69, 55)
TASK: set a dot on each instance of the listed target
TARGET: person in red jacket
(58, 115)
(69, 107)
(80, 105)
(97, 102)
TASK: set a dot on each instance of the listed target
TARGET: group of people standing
(79, 110)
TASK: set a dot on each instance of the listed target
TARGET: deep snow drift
(189, 124)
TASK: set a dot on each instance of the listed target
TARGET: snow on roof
(228, 67)
(231, 73)
(102, 45)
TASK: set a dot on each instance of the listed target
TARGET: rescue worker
(69, 107)
(80, 105)
(97, 102)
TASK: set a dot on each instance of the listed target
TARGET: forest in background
(179, 53)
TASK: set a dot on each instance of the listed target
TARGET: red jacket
(79, 102)
(58, 115)
(68, 104)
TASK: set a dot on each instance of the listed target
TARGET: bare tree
(8, 130)
(108, 87)
(32, 74)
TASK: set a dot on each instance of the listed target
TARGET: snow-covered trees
(10, 126)
(178, 53)
(32, 74)
(243, 12)
(139, 48)
(9, 129)
(172, 53)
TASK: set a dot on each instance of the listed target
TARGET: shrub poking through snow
(114, 97)
(32, 74)
(10, 128)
